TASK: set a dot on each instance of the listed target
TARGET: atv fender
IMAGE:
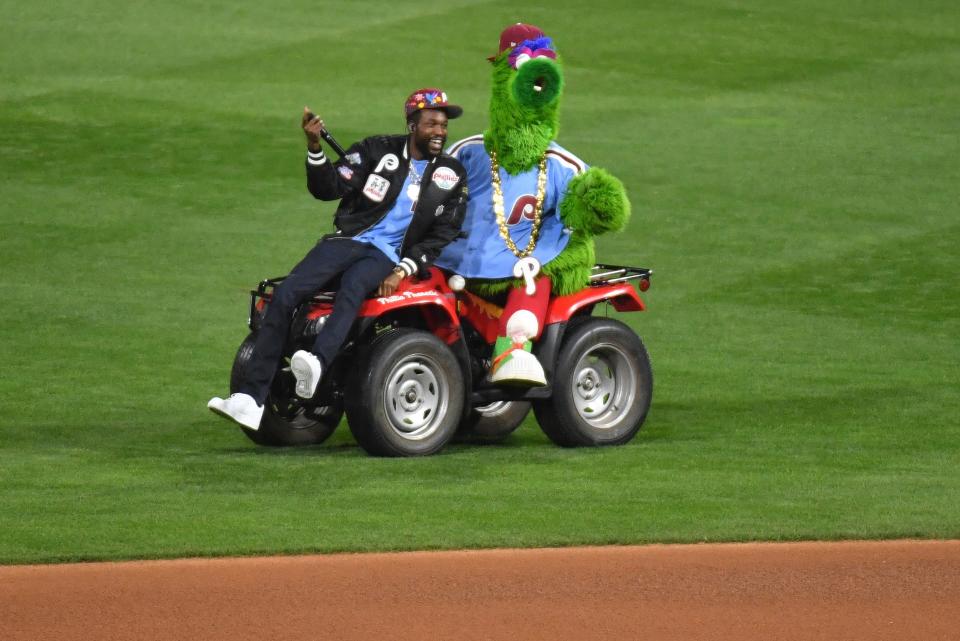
(623, 297)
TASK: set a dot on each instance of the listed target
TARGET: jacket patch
(439, 210)
(445, 178)
(345, 171)
(376, 188)
(353, 159)
(389, 162)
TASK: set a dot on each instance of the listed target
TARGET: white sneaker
(307, 369)
(240, 408)
(521, 368)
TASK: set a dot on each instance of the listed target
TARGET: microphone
(329, 138)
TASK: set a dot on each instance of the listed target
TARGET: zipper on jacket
(414, 216)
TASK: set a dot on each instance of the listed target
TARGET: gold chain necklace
(498, 206)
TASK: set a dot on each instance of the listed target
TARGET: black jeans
(361, 269)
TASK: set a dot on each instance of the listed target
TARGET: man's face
(430, 132)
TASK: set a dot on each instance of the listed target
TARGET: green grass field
(794, 172)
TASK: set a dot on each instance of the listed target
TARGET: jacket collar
(407, 156)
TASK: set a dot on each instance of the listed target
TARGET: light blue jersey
(483, 252)
(387, 234)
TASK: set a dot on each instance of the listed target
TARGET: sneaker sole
(219, 412)
(302, 372)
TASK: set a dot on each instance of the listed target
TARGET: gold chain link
(498, 206)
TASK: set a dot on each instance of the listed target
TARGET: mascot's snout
(538, 83)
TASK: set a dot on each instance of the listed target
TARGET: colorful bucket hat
(431, 98)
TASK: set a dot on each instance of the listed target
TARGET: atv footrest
(486, 395)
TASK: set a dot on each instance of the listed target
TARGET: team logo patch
(353, 159)
(376, 188)
(389, 163)
(445, 178)
(345, 171)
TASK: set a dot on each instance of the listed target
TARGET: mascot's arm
(596, 202)
(570, 271)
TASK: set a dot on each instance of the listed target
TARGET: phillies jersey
(483, 252)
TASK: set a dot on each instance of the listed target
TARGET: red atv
(412, 373)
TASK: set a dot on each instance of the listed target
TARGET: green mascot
(534, 207)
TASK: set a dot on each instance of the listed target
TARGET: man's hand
(389, 284)
(312, 126)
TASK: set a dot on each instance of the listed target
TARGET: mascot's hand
(596, 202)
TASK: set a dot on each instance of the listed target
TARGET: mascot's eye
(522, 58)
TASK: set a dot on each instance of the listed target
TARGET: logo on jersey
(445, 178)
(523, 207)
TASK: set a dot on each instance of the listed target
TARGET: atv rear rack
(264, 293)
(265, 290)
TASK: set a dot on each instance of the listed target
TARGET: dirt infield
(899, 590)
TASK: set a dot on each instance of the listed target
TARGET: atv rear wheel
(602, 386)
(286, 420)
(406, 395)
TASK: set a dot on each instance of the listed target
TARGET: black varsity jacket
(368, 179)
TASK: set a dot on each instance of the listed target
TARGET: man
(401, 201)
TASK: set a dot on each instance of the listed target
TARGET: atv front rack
(611, 274)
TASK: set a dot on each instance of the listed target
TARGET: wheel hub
(603, 385)
(411, 396)
(588, 384)
(414, 397)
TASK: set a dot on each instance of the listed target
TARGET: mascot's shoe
(307, 369)
(517, 366)
(240, 408)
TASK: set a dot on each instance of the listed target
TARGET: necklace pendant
(413, 192)
(527, 268)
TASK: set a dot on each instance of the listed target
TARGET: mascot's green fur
(524, 187)
(523, 122)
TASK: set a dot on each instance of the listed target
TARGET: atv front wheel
(286, 420)
(602, 386)
(406, 395)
